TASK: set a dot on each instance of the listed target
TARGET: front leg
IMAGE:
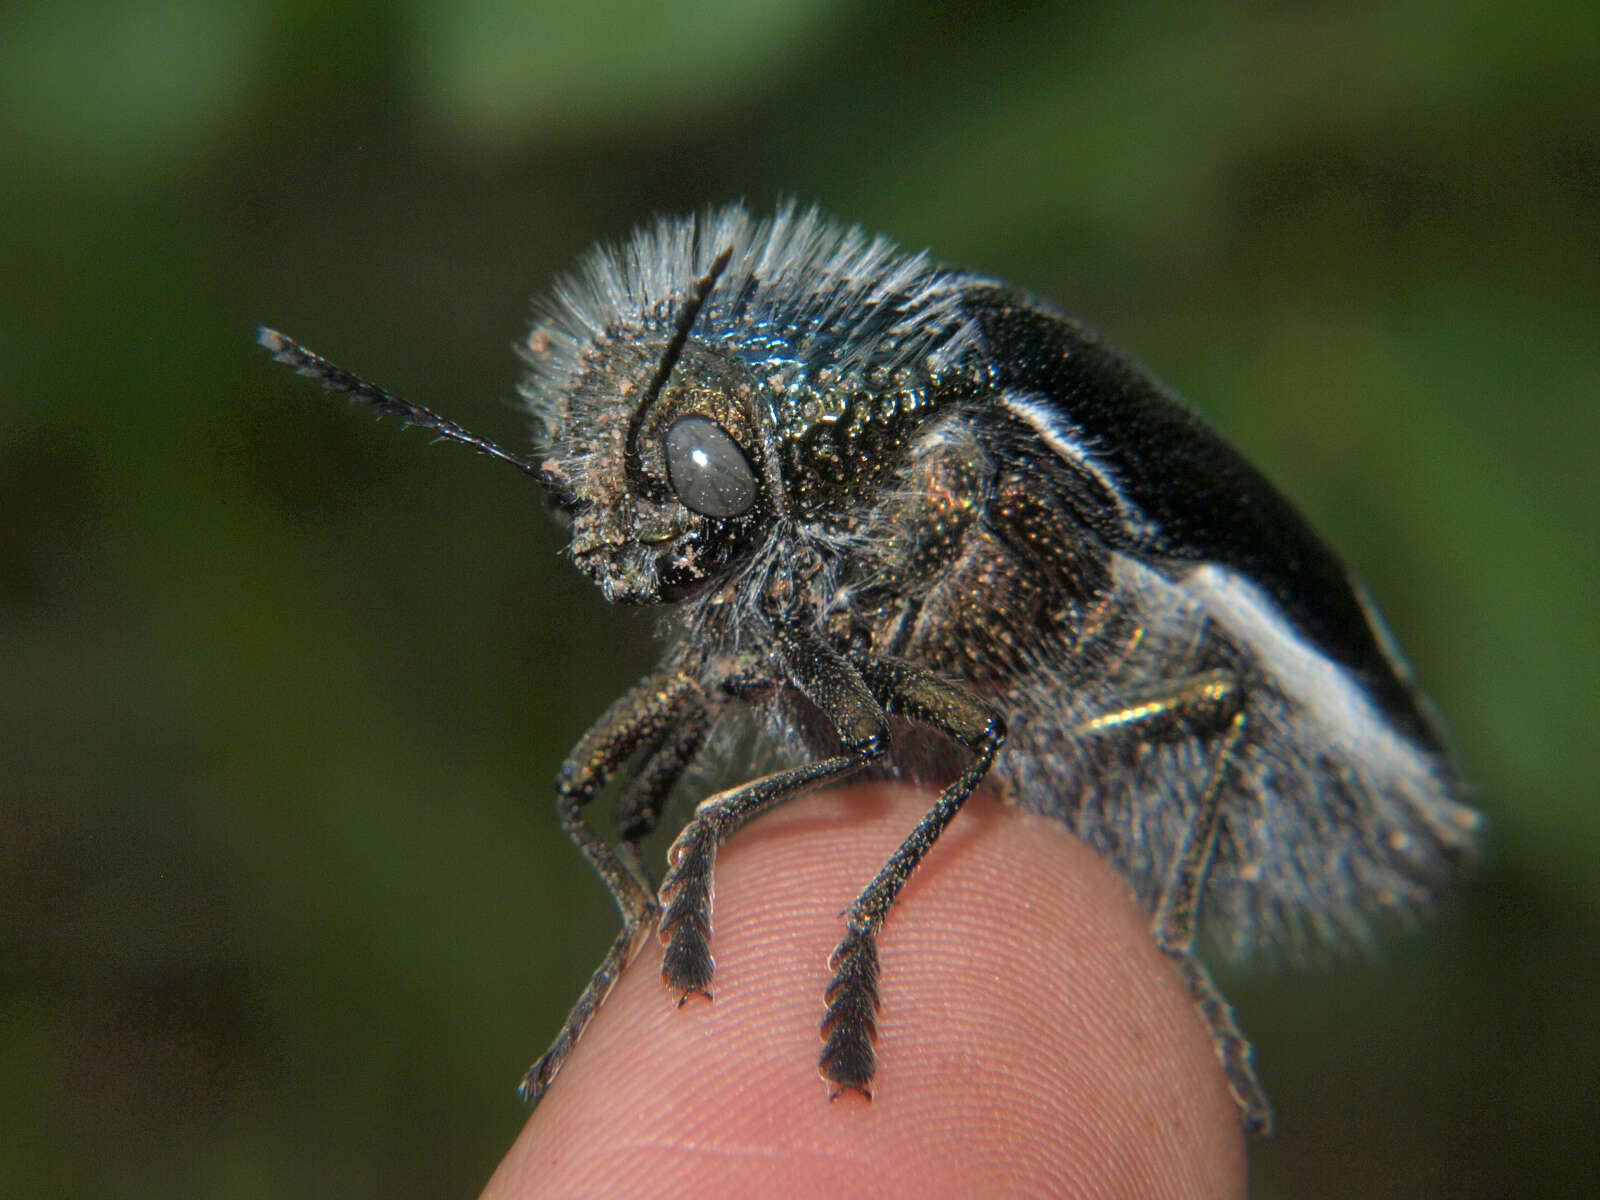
(836, 687)
(638, 806)
(686, 892)
(653, 705)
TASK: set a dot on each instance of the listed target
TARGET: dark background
(283, 905)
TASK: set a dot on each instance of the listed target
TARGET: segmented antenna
(336, 379)
(637, 479)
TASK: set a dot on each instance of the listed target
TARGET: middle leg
(849, 1026)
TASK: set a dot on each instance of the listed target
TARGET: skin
(1032, 1041)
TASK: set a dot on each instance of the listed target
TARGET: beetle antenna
(292, 354)
(669, 362)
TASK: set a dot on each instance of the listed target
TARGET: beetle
(923, 525)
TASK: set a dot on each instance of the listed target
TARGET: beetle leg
(1174, 926)
(686, 891)
(638, 806)
(834, 686)
(849, 1026)
(1209, 705)
(640, 715)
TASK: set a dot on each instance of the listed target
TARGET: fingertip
(1032, 1039)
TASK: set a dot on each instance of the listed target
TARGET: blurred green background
(283, 905)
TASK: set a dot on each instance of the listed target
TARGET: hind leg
(1210, 705)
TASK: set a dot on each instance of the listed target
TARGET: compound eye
(708, 470)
